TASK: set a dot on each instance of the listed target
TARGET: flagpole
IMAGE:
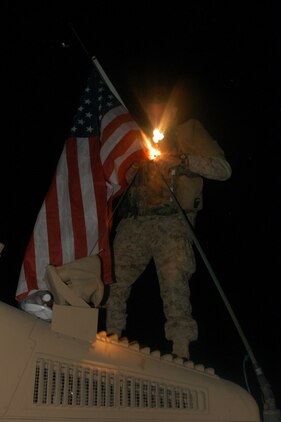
(106, 80)
(98, 66)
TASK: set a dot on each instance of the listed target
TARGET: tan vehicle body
(50, 376)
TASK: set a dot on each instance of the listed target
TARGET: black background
(230, 54)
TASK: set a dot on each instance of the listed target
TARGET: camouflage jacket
(152, 190)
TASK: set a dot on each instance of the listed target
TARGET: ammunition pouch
(189, 192)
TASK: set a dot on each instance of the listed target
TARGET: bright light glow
(157, 136)
(152, 152)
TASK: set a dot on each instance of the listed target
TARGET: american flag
(74, 219)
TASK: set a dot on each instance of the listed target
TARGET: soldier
(153, 227)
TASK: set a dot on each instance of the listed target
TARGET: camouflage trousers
(165, 239)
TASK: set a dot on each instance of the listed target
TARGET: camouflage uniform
(153, 227)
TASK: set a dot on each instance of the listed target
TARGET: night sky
(229, 54)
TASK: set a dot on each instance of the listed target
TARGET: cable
(270, 412)
(246, 357)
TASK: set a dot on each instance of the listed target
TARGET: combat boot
(181, 349)
(116, 331)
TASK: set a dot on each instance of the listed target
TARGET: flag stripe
(114, 120)
(75, 197)
(109, 164)
(87, 171)
(99, 188)
(41, 243)
(53, 225)
(64, 206)
(102, 216)
(123, 166)
(30, 266)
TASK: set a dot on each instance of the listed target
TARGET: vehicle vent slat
(69, 385)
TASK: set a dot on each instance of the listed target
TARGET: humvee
(64, 369)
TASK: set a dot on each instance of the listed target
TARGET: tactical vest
(150, 192)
